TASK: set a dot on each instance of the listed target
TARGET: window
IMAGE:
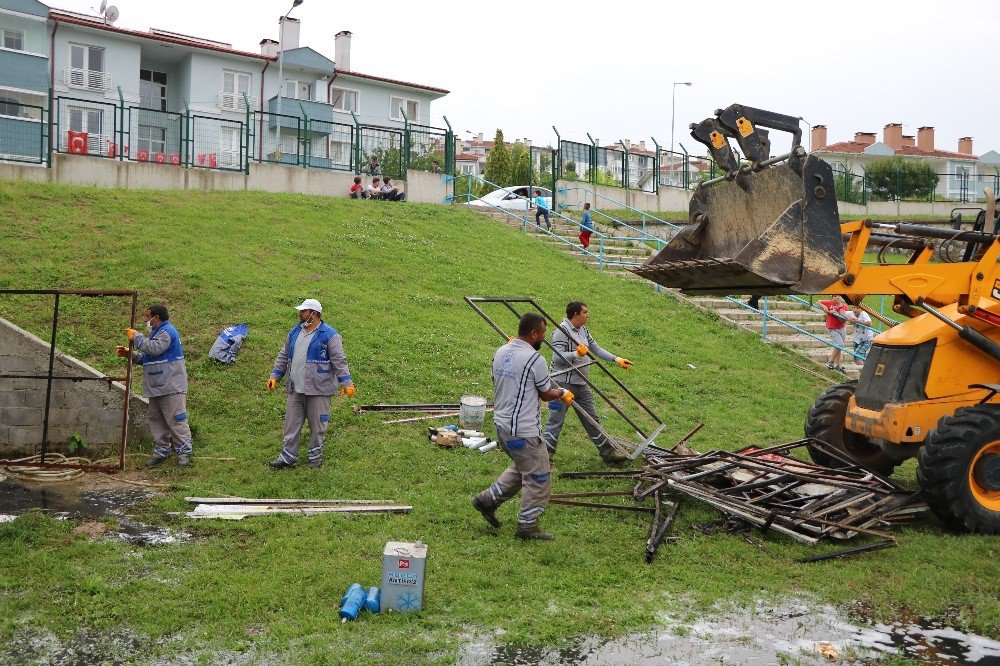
(229, 146)
(469, 168)
(13, 39)
(152, 139)
(344, 100)
(236, 83)
(411, 107)
(152, 90)
(91, 121)
(10, 106)
(340, 152)
(298, 90)
(86, 67)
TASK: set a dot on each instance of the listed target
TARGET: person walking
(586, 227)
(571, 344)
(836, 327)
(862, 334)
(521, 381)
(164, 383)
(314, 361)
(541, 208)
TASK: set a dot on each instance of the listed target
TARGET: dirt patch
(91, 529)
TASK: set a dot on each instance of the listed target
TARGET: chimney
(965, 145)
(864, 138)
(818, 137)
(892, 135)
(288, 33)
(642, 145)
(269, 47)
(342, 50)
(925, 138)
(909, 141)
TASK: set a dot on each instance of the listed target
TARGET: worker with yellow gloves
(521, 381)
(164, 383)
(313, 365)
(572, 343)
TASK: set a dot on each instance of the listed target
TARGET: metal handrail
(767, 316)
(624, 206)
(813, 306)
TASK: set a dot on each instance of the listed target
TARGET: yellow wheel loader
(930, 386)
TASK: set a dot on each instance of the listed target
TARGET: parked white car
(519, 197)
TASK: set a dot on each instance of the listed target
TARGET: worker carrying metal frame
(521, 381)
(571, 344)
(313, 364)
(164, 384)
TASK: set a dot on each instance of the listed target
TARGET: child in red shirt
(357, 189)
(836, 326)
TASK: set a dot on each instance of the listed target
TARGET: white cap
(310, 304)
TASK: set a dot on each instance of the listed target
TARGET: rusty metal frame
(648, 437)
(50, 376)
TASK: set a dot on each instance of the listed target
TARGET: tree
(849, 186)
(521, 169)
(895, 178)
(498, 167)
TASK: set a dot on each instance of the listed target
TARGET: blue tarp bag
(228, 344)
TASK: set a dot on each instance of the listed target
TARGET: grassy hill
(391, 278)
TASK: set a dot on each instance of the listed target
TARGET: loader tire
(958, 469)
(825, 422)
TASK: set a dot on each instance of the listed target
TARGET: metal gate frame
(49, 377)
(507, 301)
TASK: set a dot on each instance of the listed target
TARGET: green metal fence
(427, 148)
(23, 133)
(86, 127)
(151, 135)
(216, 143)
(385, 145)
(949, 187)
(276, 138)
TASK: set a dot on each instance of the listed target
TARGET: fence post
(624, 164)
(554, 205)
(120, 130)
(592, 172)
(304, 140)
(246, 135)
(187, 151)
(48, 126)
(357, 144)
(406, 143)
(449, 149)
(686, 176)
(557, 168)
(656, 167)
(763, 327)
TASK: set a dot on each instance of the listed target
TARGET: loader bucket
(773, 231)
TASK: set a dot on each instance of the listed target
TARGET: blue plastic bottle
(350, 589)
(353, 604)
(373, 600)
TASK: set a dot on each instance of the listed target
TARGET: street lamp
(281, 62)
(673, 106)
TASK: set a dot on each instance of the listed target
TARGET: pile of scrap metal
(238, 508)
(773, 490)
(428, 410)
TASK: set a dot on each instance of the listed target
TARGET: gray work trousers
(529, 471)
(168, 423)
(300, 407)
(583, 399)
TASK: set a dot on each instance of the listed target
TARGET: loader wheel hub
(984, 476)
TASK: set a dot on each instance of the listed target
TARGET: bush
(895, 178)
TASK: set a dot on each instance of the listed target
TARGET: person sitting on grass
(374, 190)
(357, 189)
(390, 192)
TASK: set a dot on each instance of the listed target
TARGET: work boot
(489, 513)
(280, 464)
(530, 532)
(616, 457)
(314, 464)
(154, 461)
(183, 459)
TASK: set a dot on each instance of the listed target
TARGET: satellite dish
(104, 7)
(111, 14)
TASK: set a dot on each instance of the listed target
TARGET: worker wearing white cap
(313, 358)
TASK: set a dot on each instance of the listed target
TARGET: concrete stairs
(635, 251)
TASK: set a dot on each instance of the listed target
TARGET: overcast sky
(607, 67)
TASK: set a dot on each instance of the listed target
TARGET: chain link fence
(385, 145)
(217, 143)
(86, 127)
(151, 135)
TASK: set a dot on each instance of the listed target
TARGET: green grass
(391, 278)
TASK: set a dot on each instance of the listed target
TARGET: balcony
(24, 71)
(316, 111)
(86, 79)
(234, 102)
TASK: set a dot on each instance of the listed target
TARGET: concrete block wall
(90, 409)
(420, 186)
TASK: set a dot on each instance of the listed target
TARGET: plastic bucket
(472, 411)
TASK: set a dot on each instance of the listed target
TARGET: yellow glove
(567, 397)
(347, 391)
(271, 383)
(123, 352)
(581, 350)
(130, 332)
(512, 338)
(624, 363)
